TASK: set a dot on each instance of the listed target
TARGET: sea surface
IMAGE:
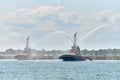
(59, 70)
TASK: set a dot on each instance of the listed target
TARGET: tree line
(101, 51)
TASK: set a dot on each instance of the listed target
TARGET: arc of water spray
(65, 35)
(22, 38)
(50, 34)
(69, 38)
(18, 36)
(94, 30)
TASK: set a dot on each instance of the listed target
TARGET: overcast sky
(52, 23)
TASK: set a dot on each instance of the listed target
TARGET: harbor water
(60, 70)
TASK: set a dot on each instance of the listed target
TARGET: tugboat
(26, 55)
(74, 53)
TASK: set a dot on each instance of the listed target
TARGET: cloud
(70, 17)
(37, 22)
(41, 18)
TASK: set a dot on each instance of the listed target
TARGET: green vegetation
(101, 51)
(103, 54)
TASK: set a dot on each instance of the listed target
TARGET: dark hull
(74, 58)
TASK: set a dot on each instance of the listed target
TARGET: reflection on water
(59, 70)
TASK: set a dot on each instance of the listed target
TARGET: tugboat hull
(74, 54)
(74, 58)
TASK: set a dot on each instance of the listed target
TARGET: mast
(75, 38)
(27, 42)
(75, 47)
(27, 47)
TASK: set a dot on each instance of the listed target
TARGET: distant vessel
(74, 54)
(27, 52)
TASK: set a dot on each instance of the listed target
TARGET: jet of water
(51, 34)
(94, 30)
(48, 35)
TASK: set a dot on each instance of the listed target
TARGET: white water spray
(51, 34)
(48, 35)
(94, 30)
